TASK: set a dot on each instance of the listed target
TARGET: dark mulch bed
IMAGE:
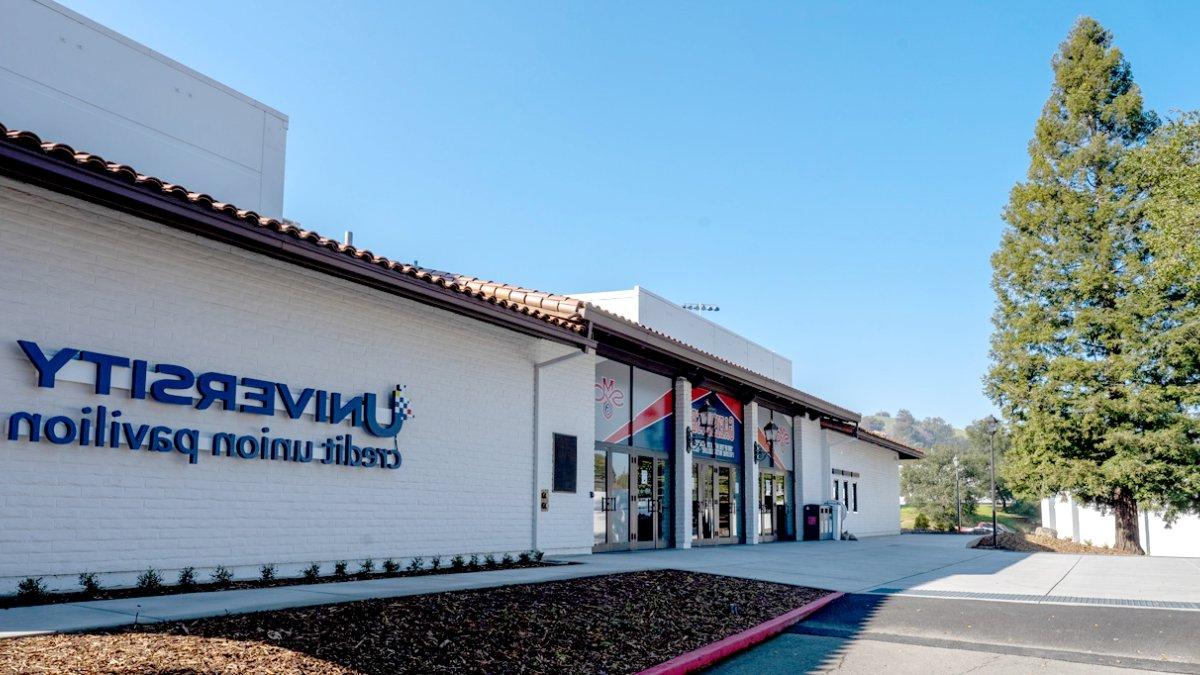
(1016, 541)
(10, 601)
(610, 624)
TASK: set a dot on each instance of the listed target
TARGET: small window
(846, 493)
(837, 496)
(856, 496)
(566, 461)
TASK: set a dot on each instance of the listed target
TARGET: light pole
(957, 499)
(993, 425)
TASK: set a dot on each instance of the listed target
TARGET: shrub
(507, 560)
(416, 564)
(221, 576)
(149, 580)
(474, 564)
(339, 569)
(524, 557)
(537, 555)
(489, 561)
(267, 572)
(367, 566)
(89, 582)
(435, 562)
(921, 522)
(391, 566)
(312, 572)
(187, 577)
(31, 588)
(457, 562)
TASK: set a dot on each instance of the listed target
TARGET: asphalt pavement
(898, 634)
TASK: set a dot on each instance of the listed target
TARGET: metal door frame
(712, 506)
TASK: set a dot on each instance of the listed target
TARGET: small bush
(187, 577)
(474, 564)
(221, 576)
(89, 582)
(416, 564)
(524, 557)
(489, 561)
(31, 588)
(921, 522)
(506, 560)
(435, 563)
(267, 572)
(312, 572)
(457, 562)
(537, 555)
(150, 580)
(367, 566)
(391, 566)
(339, 569)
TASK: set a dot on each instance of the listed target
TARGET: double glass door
(631, 505)
(772, 505)
(715, 499)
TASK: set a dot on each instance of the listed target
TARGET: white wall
(878, 484)
(659, 313)
(1088, 524)
(73, 81)
(75, 275)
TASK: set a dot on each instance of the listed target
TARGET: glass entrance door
(772, 505)
(652, 503)
(715, 498)
(630, 501)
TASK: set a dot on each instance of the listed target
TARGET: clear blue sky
(830, 174)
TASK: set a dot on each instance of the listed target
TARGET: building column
(749, 473)
(681, 466)
(798, 476)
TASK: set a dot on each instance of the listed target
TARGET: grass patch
(1018, 516)
(608, 624)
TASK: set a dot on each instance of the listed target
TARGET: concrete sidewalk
(934, 566)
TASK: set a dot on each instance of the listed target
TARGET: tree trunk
(1126, 512)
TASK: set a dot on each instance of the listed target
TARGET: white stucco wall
(75, 275)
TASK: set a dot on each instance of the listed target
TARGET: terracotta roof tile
(557, 310)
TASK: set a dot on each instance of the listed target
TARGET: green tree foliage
(1077, 349)
(928, 485)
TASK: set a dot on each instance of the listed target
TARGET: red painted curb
(711, 653)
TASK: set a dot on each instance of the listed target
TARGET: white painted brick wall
(878, 484)
(75, 275)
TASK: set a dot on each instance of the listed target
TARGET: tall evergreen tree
(1085, 417)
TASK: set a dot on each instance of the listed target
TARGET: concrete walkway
(928, 565)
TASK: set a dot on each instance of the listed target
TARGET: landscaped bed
(222, 579)
(1034, 544)
(607, 624)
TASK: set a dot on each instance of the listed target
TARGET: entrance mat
(709, 654)
(1040, 599)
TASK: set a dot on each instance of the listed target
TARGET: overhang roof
(904, 450)
(59, 166)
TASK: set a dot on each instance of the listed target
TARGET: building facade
(183, 383)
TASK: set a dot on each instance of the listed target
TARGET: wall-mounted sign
(171, 384)
(719, 434)
(634, 407)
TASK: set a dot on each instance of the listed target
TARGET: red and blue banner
(634, 407)
(724, 440)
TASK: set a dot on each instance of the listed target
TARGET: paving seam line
(866, 589)
(1063, 577)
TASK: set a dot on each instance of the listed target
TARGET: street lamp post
(993, 425)
(957, 498)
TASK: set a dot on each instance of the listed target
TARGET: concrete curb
(711, 653)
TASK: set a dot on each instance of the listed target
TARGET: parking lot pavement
(865, 633)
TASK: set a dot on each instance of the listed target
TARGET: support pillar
(749, 473)
(798, 476)
(681, 467)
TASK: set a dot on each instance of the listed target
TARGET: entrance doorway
(630, 501)
(772, 505)
(715, 498)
